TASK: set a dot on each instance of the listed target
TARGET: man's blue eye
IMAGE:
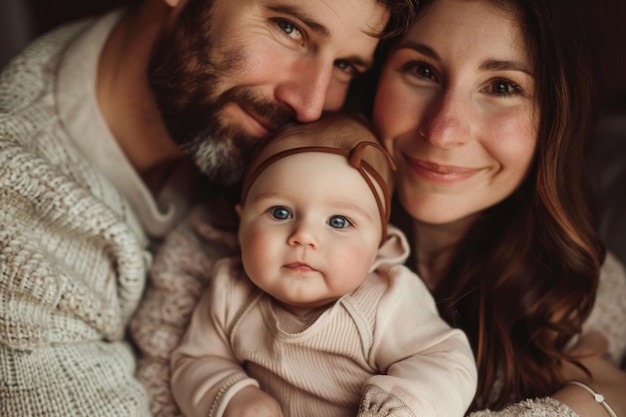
(287, 27)
(339, 222)
(346, 66)
(290, 29)
(280, 213)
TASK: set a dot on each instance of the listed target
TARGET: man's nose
(305, 89)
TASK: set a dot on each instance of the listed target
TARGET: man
(97, 118)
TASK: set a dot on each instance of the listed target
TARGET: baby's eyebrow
(264, 196)
(350, 206)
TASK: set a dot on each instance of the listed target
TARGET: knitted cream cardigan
(72, 270)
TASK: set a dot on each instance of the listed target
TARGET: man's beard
(184, 81)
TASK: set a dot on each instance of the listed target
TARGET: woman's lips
(434, 172)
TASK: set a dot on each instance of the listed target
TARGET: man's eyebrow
(301, 15)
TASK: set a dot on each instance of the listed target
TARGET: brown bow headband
(355, 160)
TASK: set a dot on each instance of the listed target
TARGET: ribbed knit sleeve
(72, 270)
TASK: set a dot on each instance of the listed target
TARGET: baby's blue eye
(280, 213)
(339, 222)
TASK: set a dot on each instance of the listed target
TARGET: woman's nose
(445, 121)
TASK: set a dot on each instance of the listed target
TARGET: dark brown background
(609, 16)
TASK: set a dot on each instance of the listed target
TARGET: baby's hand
(252, 402)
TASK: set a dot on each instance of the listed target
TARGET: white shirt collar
(79, 111)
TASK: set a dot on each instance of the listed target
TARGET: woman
(486, 106)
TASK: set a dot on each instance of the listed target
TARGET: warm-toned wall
(610, 19)
(48, 14)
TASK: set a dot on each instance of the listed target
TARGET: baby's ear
(238, 209)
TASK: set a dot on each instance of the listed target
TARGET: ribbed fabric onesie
(381, 350)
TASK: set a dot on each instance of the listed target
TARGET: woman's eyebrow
(419, 47)
(491, 64)
(497, 65)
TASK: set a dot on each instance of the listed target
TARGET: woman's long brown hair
(524, 278)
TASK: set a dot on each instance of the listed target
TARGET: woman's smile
(439, 173)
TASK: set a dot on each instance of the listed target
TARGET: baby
(319, 317)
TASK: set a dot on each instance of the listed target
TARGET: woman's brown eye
(501, 88)
(424, 71)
